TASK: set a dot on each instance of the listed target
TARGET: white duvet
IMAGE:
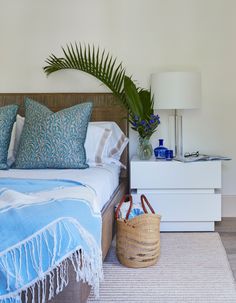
(103, 179)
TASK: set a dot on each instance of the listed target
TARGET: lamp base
(175, 135)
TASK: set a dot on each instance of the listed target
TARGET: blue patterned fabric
(53, 140)
(7, 119)
(41, 230)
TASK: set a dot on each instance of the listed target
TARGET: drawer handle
(144, 199)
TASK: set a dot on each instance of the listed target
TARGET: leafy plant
(103, 66)
(142, 116)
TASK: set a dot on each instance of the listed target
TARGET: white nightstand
(187, 195)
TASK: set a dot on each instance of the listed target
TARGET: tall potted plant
(104, 67)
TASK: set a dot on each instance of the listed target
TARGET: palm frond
(133, 98)
(94, 62)
(104, 67)
(147, 102)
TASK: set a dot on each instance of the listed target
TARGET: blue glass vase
(160, 151)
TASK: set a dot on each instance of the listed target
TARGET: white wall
(147, 36)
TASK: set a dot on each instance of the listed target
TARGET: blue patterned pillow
(53, 140)
(7, 119)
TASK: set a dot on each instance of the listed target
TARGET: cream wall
(148, 36)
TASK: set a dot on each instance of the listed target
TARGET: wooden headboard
(106, 107)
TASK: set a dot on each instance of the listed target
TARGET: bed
(106, 108)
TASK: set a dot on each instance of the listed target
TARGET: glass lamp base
(175, 135)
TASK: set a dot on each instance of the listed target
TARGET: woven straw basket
(138, 239)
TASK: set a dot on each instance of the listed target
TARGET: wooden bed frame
(105, 108)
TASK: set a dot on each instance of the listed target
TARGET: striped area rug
(193, 267)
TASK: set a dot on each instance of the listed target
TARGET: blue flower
(143, 122)
(134, 124)
(147, 126)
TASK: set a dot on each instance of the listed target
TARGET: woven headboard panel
(105, 107)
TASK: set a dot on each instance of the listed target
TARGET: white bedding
(103, 179)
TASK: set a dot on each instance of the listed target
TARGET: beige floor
(227, 231)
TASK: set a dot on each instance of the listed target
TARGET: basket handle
(120, 204)
(144, 199)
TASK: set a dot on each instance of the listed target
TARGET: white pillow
(20, 121)
(117, 141)
(10, 156)
(104, 142)
(95, 143)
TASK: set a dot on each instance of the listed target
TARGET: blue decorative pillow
(53, 140)
(7, 119)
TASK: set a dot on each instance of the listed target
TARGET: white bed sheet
(103, 179)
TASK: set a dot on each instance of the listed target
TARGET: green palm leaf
(147, 102)
(103, 66)
(133, 97)
(89, 60)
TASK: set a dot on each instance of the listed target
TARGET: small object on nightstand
(197, 157)
(144, 150)
(169, 154)
(160, 151)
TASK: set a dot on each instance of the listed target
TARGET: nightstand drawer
(174, 174)
(185, 207)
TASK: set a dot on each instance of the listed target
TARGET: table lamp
(176, 90)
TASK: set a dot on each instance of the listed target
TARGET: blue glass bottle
(169, 154)
(160, 151)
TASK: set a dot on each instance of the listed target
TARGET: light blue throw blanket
(43, 225)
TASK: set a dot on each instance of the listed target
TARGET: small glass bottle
(160, 151)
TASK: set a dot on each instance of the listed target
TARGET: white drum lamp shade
(176, 90)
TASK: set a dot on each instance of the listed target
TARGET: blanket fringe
(87, 265)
